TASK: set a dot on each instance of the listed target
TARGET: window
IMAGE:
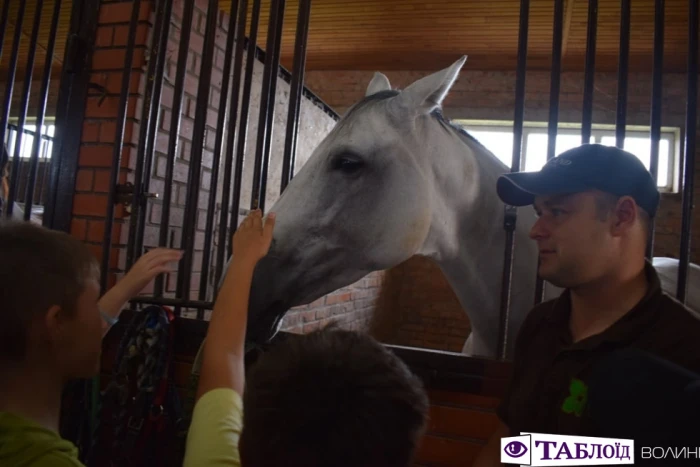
(47, 136)
(498, 138)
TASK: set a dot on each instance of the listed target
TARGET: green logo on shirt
(578, 394)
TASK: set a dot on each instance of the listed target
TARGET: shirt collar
(627, 326)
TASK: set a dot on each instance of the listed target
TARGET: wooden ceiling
(423, 35)
(427, 35)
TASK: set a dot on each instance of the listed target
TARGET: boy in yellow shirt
(52, 321)
(331, 398)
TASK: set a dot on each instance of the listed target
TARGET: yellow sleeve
(217, 420)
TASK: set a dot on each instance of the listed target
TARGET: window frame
(598, 131)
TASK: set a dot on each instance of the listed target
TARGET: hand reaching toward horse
(252, 239)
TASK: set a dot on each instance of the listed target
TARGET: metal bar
(3, 24)
(690, 149)
(174, 302)
(175, 120)
(622, 74)
(7, 102)
(23, 110)
(656, 95)
(590, 72)
(267, 105)
(295, 93)
(41, 111)
(554, 88)
(189, 226)
(510, 214)
(147, 129)
(231, 135)
(118, 144)
(153, 122)
(243, 122)
(70, 113)
(218, 143)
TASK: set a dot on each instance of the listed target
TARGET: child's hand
(148, 266)
(252, 240)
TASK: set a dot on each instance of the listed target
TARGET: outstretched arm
(139, 276)
(223, 353)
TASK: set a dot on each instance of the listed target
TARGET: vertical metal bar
(3, 24)
(243, 127)
(70, 112)
(510, 214)
(43, 98)
(147, 129)
(189, 226)
(267, 105)
(174, 137)
(295, 93)
(218, 143)
(590, 72)
(231, 135)
(553, 122)
(7, 101)
(153, 122)
(622, 74)
(118, 144)
(24, 108)
(690, 149)
(655, 131)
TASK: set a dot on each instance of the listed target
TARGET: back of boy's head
(39, 268)
(331, 398)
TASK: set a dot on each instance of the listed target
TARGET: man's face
(575, 245)
(79, 344)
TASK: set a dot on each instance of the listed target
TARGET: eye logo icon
(515, 449)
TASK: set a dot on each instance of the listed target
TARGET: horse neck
(467, 238)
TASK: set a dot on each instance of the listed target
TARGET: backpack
(139, 415)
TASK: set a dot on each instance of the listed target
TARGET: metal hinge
(124, 194)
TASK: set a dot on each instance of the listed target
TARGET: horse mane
(436, 114)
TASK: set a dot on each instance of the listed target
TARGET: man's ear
(625, 215)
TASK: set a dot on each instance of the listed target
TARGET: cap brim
(520, 188)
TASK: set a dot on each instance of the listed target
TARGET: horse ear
(428, 92)
(379, 83)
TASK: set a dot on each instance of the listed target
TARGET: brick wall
(421, 309)
(99, 129)
(350, 307)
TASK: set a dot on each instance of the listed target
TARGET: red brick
(339, 298)
(114, 82)
(96, 156)
(96, 231)
(91, 132)
(121, 12)
(108, 59)
(78, 228)
(104, 37)
(83, 180)
(121, 35)
(90, 205)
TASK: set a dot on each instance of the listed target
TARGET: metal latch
(124, 194)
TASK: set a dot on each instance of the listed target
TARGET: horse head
(364, 201)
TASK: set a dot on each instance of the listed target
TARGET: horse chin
(263, 325)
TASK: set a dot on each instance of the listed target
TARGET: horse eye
(347, 164)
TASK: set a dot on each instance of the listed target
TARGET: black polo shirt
(548, 390)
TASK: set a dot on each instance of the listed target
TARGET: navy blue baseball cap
(587, 167)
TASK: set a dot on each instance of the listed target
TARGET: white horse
(394, 179)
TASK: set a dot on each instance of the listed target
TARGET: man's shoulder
(675, 313)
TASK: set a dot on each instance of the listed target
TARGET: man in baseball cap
(587, 167)
(594, 205)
